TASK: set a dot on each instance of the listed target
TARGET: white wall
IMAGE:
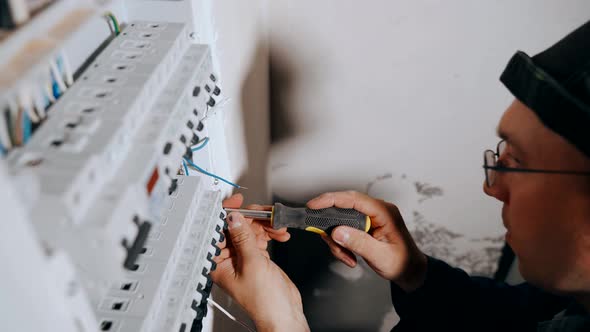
(237, 31)
(406, 91)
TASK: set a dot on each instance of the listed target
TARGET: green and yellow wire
(115, 23)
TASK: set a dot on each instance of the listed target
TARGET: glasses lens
(489, 159)
(501, 147)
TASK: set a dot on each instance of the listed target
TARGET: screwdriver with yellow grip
(320, 221)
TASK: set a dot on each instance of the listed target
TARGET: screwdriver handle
(320, 221)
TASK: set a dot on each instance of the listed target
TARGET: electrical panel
(110, 185)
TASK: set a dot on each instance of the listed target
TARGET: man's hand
(388, 247)
(248, 275)
(264, 232)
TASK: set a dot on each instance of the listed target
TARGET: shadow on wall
(282, 83)
(255, 115)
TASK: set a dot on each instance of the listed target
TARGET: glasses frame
(502, 169)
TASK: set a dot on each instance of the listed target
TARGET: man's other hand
(388, 247)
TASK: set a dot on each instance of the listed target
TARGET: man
(540, 171)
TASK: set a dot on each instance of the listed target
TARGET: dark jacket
(451, 300)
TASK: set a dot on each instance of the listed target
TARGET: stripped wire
(230, 316)
(190, 163)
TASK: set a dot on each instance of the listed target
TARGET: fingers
(228, 247)
(241, 236)
(229, 252)
(234, 201)
(362, 244)
(378, 210)
(344, 255)
(280, 235)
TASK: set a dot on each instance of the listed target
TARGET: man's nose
(497, 190)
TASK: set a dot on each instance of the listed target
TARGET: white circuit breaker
(106, 196)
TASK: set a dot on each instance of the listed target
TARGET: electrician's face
(547, 216)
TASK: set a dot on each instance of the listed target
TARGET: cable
(113, 19)
(26, 103)
(213, 175)
(185, 168)
(5, 132)
(67, 68)
(57, 77)
(50, 92)
(230, 316)
(26, 128)
(18, 128)
(204, 143)
(39, 101)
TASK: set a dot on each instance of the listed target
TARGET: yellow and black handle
(321, 221)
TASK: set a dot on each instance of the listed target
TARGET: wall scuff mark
(427, 191)
(377, 179)
(477, 256)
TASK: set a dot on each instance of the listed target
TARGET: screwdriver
(320, 221)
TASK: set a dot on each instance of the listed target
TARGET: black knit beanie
(555, 84)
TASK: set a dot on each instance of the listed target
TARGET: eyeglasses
(490, 166)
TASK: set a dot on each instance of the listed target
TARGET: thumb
(242, 236)
(359, 242)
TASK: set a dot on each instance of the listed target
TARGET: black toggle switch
(200, 126)
(216, 91)
(211, 102)
(167, 148)
(196, 91)
(195, 139)
(173, 186)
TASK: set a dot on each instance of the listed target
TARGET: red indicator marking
(152, 182)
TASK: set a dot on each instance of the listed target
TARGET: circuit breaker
(102, 191)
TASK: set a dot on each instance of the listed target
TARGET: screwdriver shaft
(255, 214)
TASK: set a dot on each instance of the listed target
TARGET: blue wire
(55, 89)
(205, 141)
(185, 168)
(211, 175)
(54, 86)
(26, 127)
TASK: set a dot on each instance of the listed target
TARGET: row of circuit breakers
(105, 183)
